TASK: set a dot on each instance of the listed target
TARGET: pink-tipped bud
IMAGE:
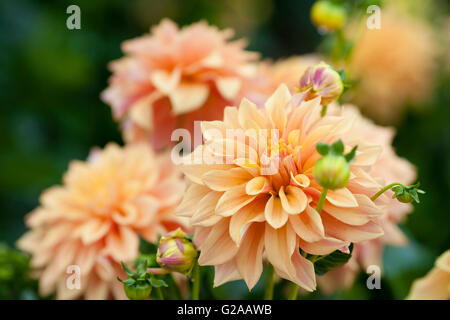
(176, 252)
(321, 80)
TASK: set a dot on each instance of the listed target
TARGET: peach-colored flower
(436, 284)
(255, 194)
(174, 76)
(94, 219)
(394, 65)
(389, 168)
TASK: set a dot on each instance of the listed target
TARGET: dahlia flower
(252, 191)
(394, 65)
(94, 220)
(436, 284)
(388, 169)
(172, 77)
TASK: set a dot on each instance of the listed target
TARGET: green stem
(293, 291)
(268, 293)
(196, 282)
(323, 112)
(175, 288)
(159, 294)
(321, 200)
(379, 193)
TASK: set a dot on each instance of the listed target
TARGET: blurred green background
(51, 112)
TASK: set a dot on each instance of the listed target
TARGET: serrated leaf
(157, 283)
(333, 260)
(322, 148)
(127, 270)
(337, 148)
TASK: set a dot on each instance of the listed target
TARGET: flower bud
(328, 16)
(321, 80)
(332, 171)
(405, 198)
(176, 252)
(137, 291)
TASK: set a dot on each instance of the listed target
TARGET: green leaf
(341, 73)
(146, 247)
(337, 148)
(334, 260)
(351, 155)
(142, 267)
(322, 148)
(129, 282)
(127, 270)
(157, 283)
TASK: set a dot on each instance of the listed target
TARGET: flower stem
(323, 112)
(159, 293)
(293, 291)
(321, 200)
(268, 293)
(389, 186)
(196, 282)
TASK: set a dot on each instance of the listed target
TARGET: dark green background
(51, 113)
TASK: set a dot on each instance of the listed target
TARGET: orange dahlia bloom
(394, 65)
(252, 191)
(94, 220)
(172, 77)
(388, 169)
(436, 284)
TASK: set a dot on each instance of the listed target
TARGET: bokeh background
(51, 113)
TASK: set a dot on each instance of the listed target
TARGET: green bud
(405, 198)
(137, 291)
(332, 171)
(176, 252)
(327, 15)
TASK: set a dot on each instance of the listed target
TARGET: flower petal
(218, 247)
(308, 225)
(249, 256)
(293, 199)
(233, 200)
(188, 97)
(274, 212)
(253, 212)
(342, 198)
(223, 180)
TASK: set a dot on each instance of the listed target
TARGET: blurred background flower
(51, 112)
(173, 77)
(95, 219)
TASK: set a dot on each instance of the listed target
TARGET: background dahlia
(95, 218)
(394, 65)
(172, 77)
(255, 195)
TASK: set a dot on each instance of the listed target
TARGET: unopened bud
(137, 291)
(321, 80)
(176, 252)
(332, 171)
(328, 16)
